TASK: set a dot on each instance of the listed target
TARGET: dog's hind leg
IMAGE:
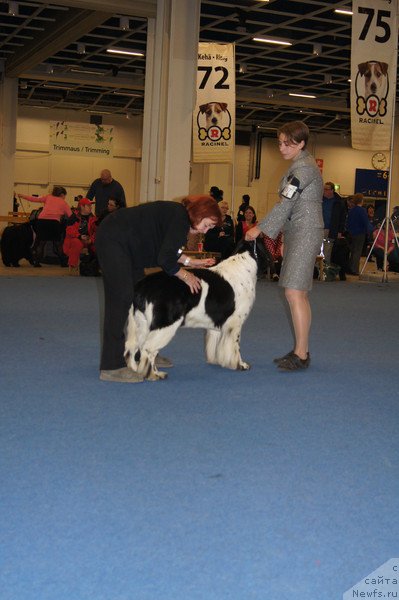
(156, 339)
(137, 330)
(212, 340)
(228, 351)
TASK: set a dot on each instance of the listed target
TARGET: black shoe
(342, 277)
(277, 360)
(294, 363)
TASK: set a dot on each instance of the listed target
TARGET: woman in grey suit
(299, 215)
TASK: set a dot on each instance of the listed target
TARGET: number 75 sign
(214, 113)
(373, 72)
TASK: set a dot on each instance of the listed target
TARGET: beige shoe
(163, 362)
(123, 375)
(73, 270)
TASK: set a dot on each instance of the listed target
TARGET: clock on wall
(379, 160)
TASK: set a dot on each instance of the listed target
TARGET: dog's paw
(157, 376)
(243, 366)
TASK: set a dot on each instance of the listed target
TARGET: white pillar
(8, 136)
(171, 72)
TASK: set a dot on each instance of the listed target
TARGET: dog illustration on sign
(372, 86)
(375, 75)
(214, 121)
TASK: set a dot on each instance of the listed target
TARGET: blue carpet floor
(212, 485)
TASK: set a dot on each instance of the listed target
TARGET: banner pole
(388, 204)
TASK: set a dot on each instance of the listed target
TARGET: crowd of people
(352, 231)
(72, 230)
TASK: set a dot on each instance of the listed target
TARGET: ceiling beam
(67, 28)
(133, 82)
(281, 100)
(134, 8)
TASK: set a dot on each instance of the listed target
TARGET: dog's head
(258, 251)
(213, 111)
(374, 73)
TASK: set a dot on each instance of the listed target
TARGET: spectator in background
(104, 188)
(243, 206)
(112, 205)
(79, 234)
(275, 248)
(47, 226)
(358, 227)
(392, 251)
(221, 239)
(247, 224)
(216, 193)
(334, 218)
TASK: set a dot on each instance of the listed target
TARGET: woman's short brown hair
(202, 207)
(357, 199)
(295, 132)
(58, 191)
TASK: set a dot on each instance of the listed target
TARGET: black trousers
(119, 278)
(47, 230)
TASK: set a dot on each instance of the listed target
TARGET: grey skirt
(301, 247)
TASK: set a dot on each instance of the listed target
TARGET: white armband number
(289, 190)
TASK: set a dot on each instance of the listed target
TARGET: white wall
(36, 170)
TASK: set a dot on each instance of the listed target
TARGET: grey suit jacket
(300, 204)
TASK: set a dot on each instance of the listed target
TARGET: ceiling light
(23, 85)
(317, 49)
(272, 41)
(124, 23)
(99, 112)
(81, 48)
(86, 72)
(49, 69)
(302, 95)
(242, 68)
(327, 79)
(124, 51)
(130, 94)
(341, 11)
(54, 86)
(13, 9)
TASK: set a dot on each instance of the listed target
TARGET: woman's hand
(203, 262)
(189, 279)
(252, 233)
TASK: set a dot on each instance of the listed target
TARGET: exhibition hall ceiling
(60, 53)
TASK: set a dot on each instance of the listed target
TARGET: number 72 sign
(373, 73)
(214, 112)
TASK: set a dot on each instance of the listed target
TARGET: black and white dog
(162, 304)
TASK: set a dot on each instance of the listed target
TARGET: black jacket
(152, 234)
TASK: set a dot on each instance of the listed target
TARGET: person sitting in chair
(80, 234)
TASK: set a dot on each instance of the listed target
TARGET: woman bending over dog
(299, 214)
(132, 239)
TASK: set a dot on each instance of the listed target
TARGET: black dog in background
(16, 243)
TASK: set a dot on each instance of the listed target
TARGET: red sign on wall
(319, 163)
